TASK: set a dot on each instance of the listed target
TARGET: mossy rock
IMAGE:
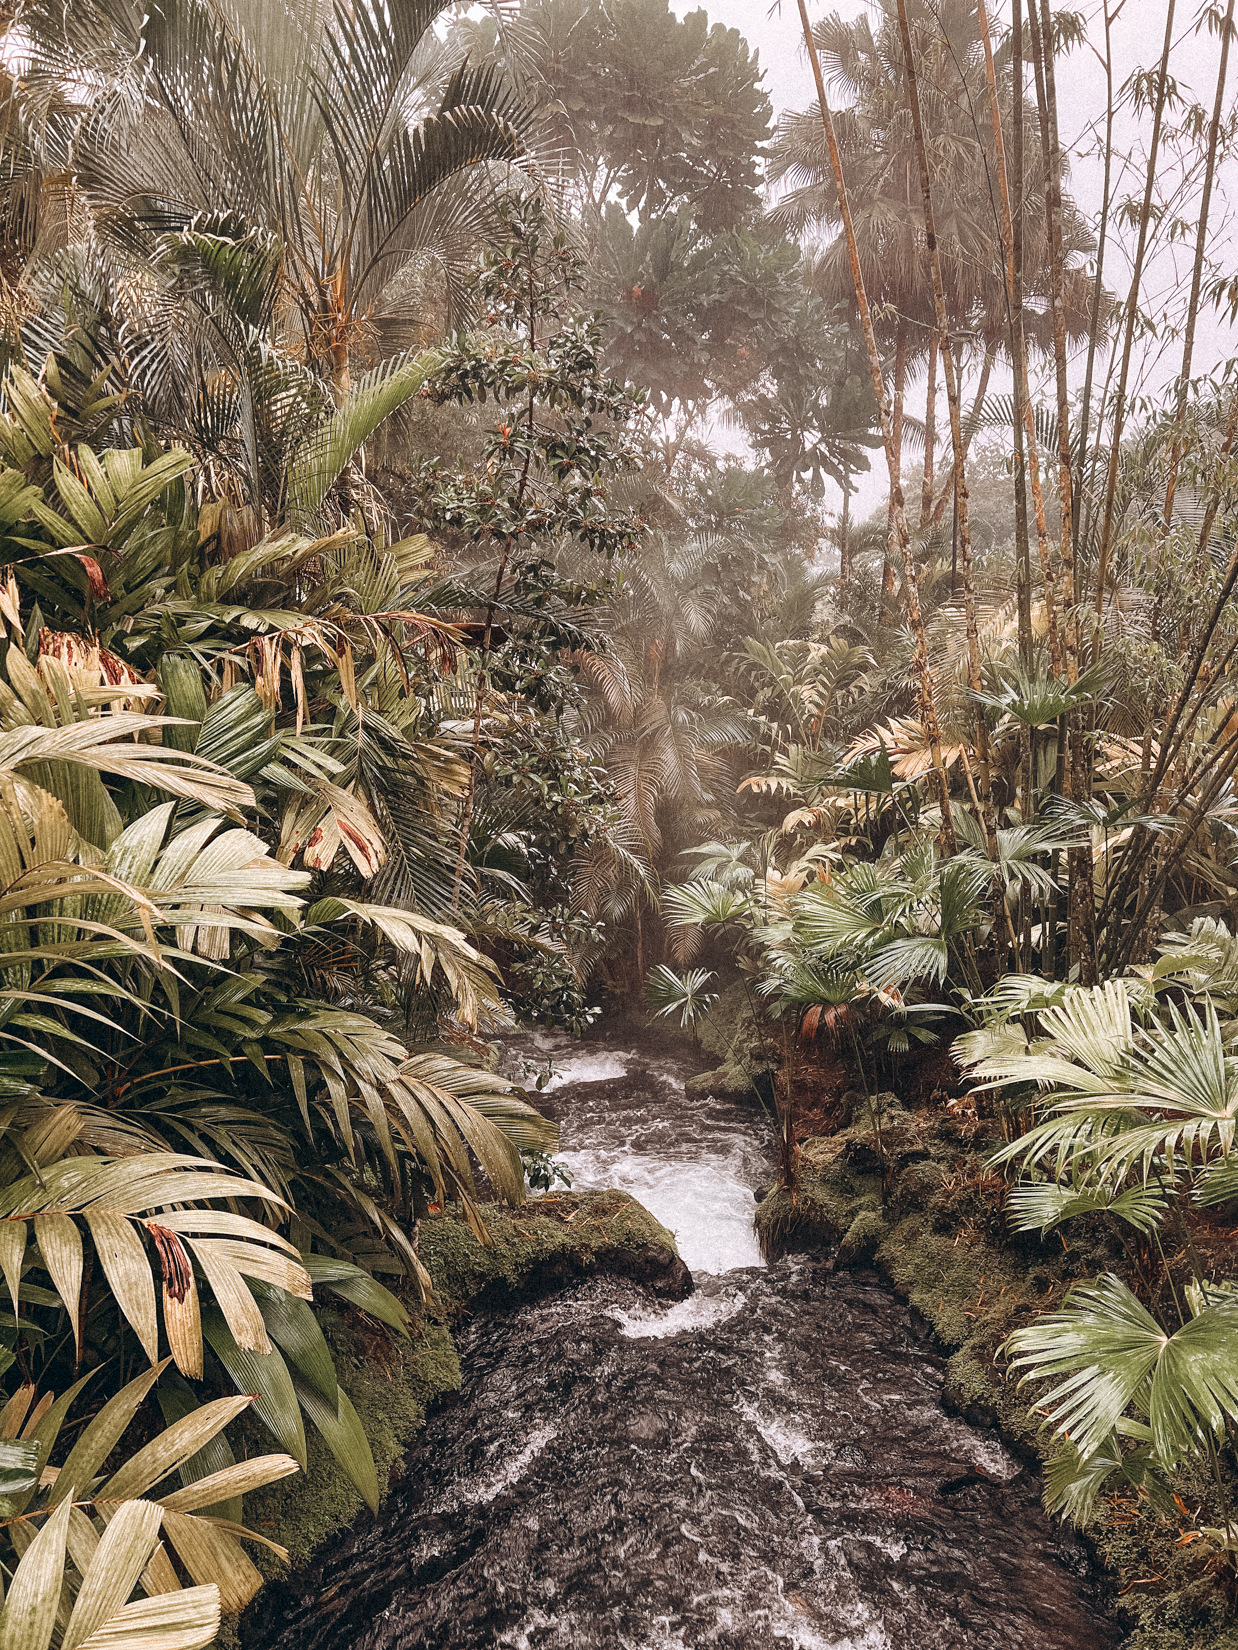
(392, 1383)
(861, 1239)
(732, 1034)
(726, 1081)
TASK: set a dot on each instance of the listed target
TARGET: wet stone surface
(766, 1463)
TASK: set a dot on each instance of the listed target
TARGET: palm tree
(243, 229)
(665, 740)
(338, 129)
(1141, 1098)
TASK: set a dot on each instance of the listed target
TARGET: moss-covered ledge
(917, 1204)
(393, 1382)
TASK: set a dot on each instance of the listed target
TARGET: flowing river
(764, 1464)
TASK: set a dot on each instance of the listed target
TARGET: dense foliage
(388, 655)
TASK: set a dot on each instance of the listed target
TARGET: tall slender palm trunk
(974, 678)
(901, 532)
(930, 436)
(1132, 310)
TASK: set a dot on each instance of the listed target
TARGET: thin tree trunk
(923, 669)
(974, 678)
(1132, 309)
(930, 436)
(1011, 224)
(1058, 657)
(1081, 933)
(969, 429)
(1098, 289)
(1180, 722)
(1057, 280)
(900, 386)
(1197, 274)
(844, 533)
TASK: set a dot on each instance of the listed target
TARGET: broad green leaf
(353, 1284)
(346, 1439)
(233, 1298)
(291, 1324)
(12, 1253)
(19, 1466)
(265, 1376)
(60, 1244)
(1195, 1388)
(176, 1400)
(229, 1484)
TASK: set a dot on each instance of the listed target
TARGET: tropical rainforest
(500, 526)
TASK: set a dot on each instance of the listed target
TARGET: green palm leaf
(1108, 1354)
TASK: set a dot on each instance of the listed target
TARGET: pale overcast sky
(1137, 37)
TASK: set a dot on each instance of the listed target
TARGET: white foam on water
(585, 1068)
(513, 1468)
(699, 1311)
(984, 1452)
(788, 1441)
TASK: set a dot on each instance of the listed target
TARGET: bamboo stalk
(901, 532)
(1018, 340)
(1098, 289)
(975, 680)
(930, 435)
(1132, 309)
(1057, 285)
(1197, 273)
(1075, 770)
(1025, 422)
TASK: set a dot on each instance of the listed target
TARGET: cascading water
(764, 1464)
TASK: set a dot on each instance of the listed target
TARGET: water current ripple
(764, 1464)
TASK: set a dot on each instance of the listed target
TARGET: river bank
(394, 1382)
(914, 1201)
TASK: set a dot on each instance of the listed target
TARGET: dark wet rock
(767, 1463)
(658, 1268)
